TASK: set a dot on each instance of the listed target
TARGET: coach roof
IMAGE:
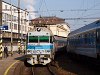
(88, 27)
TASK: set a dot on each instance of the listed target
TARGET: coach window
(33, 39)
(98, 36)
(89, 38)
(79, 39)
(94, 36)
(85, 38)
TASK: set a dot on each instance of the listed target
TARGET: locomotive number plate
(41, 52)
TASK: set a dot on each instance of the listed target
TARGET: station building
(14, 28)
(57, 25)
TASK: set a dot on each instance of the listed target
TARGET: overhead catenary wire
(41, 1)
(63, 10)
(91, 8)
(92, 14)
(82, 17)
(46, 7)
(40, 8)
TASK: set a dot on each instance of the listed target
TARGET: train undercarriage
(38, 59)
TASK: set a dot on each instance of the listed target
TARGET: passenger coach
(85, 40)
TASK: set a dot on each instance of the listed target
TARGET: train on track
(42, 45)
(85, 40)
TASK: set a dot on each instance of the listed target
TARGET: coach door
(98, 40)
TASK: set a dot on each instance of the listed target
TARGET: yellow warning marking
(10, 67)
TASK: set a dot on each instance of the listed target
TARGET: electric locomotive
(40, 46)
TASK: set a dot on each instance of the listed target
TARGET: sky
(63, 9)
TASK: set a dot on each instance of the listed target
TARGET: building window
(7, 17)
(22, 28)
(28, 28)
(3, 16)
(10, 26)
(10, 8)
(25, 29)
(21, 21)
(15, 26)
(5, 6)
(14, 18)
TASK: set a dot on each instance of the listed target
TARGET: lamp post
(11, 31)
(21, 32)
(19, 41)
(0, 12)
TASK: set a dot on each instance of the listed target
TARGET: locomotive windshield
(36, 39)
(43, 38)
(33, 39)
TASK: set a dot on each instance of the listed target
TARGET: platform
(5, 63)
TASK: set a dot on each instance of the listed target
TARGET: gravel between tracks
(72, 67)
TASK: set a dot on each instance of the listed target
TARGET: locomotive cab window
(33, 39)
(43, 38)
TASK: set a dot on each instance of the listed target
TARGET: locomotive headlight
(28, 51)
(48, 51)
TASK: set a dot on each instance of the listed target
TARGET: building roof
(47, 20)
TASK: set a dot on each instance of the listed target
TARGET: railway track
(21, 69)
(43, 70)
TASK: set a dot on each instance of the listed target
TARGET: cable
(92, 14)
(46, 7)
(91, 8)
(41, 2)
(64, 10)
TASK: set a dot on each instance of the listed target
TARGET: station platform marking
(6, 72)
